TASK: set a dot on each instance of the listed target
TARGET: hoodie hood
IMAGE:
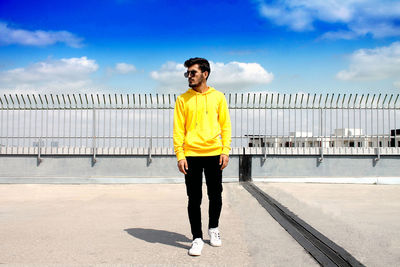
(209, 91)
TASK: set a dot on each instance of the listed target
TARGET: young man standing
(202, 137)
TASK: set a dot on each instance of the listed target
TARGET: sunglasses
(190, 73)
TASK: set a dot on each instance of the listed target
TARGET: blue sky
(254, 45)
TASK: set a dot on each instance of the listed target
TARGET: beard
(193, 84)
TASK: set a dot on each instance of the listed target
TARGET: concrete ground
(363, 219)
(146, 224)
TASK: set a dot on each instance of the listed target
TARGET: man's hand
(223, 160)
(183, 166)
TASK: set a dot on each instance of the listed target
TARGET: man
(202, 137)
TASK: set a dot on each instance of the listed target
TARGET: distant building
(36, 144)
(344, 137)
(43, 144)
(395, 138)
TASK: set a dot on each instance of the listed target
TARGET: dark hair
(202, 62)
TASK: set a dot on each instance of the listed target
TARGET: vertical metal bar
(241, 122)
(53, 142)
(236, 109)
(87, 121)
(272, 99)
(122, 121)
(303, 139)
(41, 121)
(170, 106)
(389, 111)
(134, 120)
(47, 120)
(354, 121)
(110, 120)
(70, 122)
(24, 123)
(283, 119)
(377, 120)
(94, 143)
(12, 123)
(156, 110)
(7, 120)
(348, 118)
(265, 118)
(145, 120)
(58, 121)
(100, 132)
(163, 121)
(104, 121)
(128, 124)
(359, 115)
(295, 120)
(81, 122)
(337, 121)
(64, 126)
(372, 122)
(135, 126)
(254, 105)
(140, 111)
(18, 110)
(307, 113)
(116, 123)
(247, 118)
(75, 121)
(331, 122)
(395, 122)
(151, 120)
(277, 118)
(383, 120)
(1, 123)
(259, 120)
(366, 121)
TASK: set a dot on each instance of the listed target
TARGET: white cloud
(170, 76)
(124, 68)
(232, 76)
(397, 84)
(10, 36)
(54, 75)
(356, 17)
(373, 64)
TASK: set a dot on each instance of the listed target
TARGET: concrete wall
(331, 166)
(128, 169)
(80, 169)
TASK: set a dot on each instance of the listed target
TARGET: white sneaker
(197, 246)
(215, 238)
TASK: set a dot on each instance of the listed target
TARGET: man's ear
(207, 74)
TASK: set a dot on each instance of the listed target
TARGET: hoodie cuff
(225, 150)
(180, 155)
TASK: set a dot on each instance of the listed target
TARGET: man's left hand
(223, 161)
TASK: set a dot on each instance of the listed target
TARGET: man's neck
(201, 88)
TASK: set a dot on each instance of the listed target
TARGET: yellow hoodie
(202, 126)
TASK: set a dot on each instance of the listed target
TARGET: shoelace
(196, 243)
(216, 235)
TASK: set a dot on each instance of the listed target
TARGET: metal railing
(293, 124)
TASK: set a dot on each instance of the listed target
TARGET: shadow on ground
(160, 236)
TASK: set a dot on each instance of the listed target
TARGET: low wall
(162, 169)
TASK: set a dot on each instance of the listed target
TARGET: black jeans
(194, 182)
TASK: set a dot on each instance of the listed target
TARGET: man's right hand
(183, 166)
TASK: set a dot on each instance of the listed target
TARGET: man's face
(196, 77)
